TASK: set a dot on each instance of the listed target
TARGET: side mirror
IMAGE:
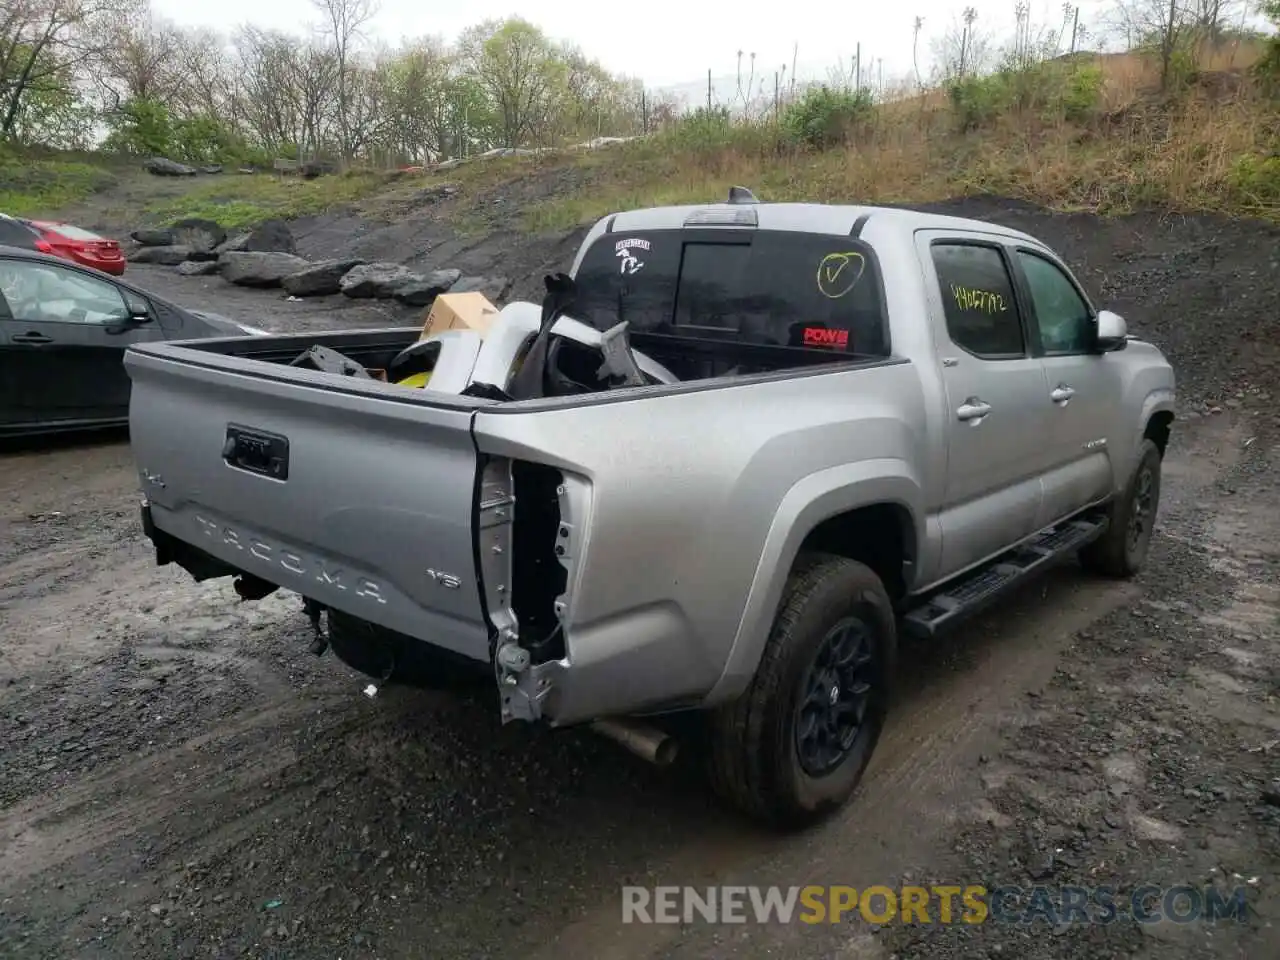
(1112, 332)
(139, 309)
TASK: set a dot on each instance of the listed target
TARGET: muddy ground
(180, 777)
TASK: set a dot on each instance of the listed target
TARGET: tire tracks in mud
(920, 786)
(295, 782)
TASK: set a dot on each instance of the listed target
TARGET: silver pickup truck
(850, 423)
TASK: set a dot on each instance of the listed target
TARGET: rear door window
(978, 300)
(773, 288)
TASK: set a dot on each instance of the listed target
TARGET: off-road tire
(1116, 553)
(753, 758)
(393, 658)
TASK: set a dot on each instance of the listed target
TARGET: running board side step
(959, 600)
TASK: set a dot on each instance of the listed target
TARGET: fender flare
(1160, 400)
(809, 502)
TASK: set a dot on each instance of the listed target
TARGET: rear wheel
(392, 657)
(793, 747)
(1122, 550)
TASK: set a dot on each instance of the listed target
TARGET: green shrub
(1256, 179)
(825, 118)
(706, 128)
(1081, 93)
(1054, 91)
(977, 101)
(1267, 69)
(140, 127)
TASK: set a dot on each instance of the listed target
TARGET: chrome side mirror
(1112, 332)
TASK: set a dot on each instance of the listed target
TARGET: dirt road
(180, 777)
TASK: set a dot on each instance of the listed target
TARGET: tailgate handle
(257, 451)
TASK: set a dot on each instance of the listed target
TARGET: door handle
(973, 410)
(1061, 394)
(31, 338)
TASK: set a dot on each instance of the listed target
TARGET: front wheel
(1122, 550)
(793, 747)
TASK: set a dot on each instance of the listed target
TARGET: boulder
(211, 168)
(153, 238)
(198, 268)
(202, 236)
(271, 236)
(164, 167)
(423, 292)
(318, 279)
(233, 245)
(494, 288)
(378, 281)
(169, 256)
(258, 268)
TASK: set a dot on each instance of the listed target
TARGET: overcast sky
(668, 42)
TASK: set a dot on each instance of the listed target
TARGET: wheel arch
(869, 511)
(1157, 429)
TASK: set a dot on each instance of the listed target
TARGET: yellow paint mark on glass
(981, 301)
(838, 273)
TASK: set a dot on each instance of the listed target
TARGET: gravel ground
(179, 777)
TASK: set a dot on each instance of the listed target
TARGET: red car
(65, 241)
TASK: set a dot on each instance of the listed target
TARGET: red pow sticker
(822, 337)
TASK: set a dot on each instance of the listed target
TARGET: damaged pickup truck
(739, 450)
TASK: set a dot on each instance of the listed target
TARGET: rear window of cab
(772, 288)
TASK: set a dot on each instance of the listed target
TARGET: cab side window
(978, 302)
(1063, 317)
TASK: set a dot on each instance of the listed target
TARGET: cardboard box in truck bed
(454, 311)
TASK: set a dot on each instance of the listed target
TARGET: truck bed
(459, 520)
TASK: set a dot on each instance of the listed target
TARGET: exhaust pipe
(644, 741)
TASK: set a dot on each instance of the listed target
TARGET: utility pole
(857, 69)
(708, 89)
(1075, 26)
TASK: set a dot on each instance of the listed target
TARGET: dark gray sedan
(63, 332)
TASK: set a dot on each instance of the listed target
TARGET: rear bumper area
(207, 549)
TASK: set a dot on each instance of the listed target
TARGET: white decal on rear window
(630, 262)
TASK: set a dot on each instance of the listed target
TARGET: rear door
(63, 342)
(995, 393)
(1083, 396)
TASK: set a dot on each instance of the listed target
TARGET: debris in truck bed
(619, 361)
(328, 360)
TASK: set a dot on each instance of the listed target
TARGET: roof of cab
(803, 217)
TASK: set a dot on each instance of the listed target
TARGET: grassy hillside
(1091, 132)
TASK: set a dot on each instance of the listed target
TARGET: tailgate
(361, 498)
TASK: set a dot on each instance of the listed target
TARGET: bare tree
(915, 44)
(139, 60)
(963, 49)
(208, 85)
(344, 23)
(1169, 26)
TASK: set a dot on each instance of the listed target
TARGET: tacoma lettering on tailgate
(291, 561)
